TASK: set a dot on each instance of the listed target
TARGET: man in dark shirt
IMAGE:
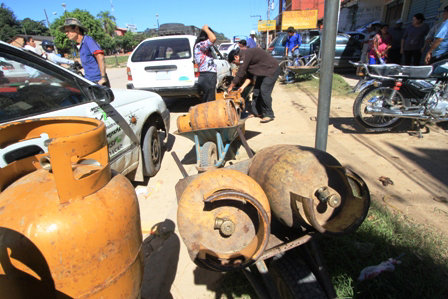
(258, 63)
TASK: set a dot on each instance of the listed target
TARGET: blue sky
(231, 17)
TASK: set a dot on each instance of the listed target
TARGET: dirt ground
(416, 166)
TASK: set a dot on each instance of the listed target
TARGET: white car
(165, 65)
(225, 48)
(133, 118)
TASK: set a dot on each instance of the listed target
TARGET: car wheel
(152, 152)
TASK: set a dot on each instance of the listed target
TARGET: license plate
(162, 76)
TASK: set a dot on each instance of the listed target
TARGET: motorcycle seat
(396, 70)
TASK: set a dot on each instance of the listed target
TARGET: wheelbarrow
(303, 70)
(212, 144)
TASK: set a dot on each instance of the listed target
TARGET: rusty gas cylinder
(236, 97)
(214, 114)
(308, 188)
(68, 227)
(220, 96)
(224, 220)
(183, 123)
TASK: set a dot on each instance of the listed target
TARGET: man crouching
(255, 62)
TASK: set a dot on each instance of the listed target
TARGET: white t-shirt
(30, 48)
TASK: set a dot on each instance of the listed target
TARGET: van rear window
(162, 49)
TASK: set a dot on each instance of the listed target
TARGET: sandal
(266, 119)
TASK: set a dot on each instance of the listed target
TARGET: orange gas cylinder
(219, 96)
(183, 123)
(214, 114)
(68, 227)
(224, 220)
(308, 188)
(236, 97)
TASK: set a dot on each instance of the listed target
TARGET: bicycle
(311, 60)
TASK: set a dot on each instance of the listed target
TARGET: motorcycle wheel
(376, 123)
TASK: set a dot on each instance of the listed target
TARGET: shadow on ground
(348, 125)
(433, 161)
(180, 104)
(161, 255)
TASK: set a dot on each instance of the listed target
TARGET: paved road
(414, 165)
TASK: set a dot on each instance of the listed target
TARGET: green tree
(129, 41)
(32, 27)
(9, 26)
(93, 26)
(108, 21)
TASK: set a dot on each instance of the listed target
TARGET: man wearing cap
(251, 42)
(92, 57)
(260, 64)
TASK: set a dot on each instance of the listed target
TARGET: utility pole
(267, 31)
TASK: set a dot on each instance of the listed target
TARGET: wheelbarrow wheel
(293, 278)
(208, 155)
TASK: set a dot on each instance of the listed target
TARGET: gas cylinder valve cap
(226, 227)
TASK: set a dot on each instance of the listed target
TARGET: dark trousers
(262, 103)
(207, 85)
(394, 56)
(412, 57)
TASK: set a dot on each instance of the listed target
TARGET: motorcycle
(390, 93)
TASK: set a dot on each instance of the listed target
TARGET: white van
(166, 66)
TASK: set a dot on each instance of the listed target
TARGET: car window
(224, 46)
(162, 49)
(28, 89)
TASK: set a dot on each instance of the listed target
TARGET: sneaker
(266, 119)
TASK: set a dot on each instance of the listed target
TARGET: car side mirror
(101, 94)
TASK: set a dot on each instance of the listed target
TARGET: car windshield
(28, 89)
(224, 46)
(162, 49)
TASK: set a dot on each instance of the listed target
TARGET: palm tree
(108, 22)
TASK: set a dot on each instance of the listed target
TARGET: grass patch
(340, 88)
(116, 61)
(423, 272)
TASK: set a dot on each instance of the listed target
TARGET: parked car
(225, 48)
(134, 119)
(277, 46)
(166, 65)
(348, 47)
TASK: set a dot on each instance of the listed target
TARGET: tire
(376, 123)
(293, 278)
(208, 155)
(284, 70)
(152, 152)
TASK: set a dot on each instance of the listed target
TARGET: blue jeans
(293, 54)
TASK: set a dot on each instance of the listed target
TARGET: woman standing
(380, 47)
(413, 40)
(206, 65)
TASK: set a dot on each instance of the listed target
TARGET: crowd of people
(417, 44)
